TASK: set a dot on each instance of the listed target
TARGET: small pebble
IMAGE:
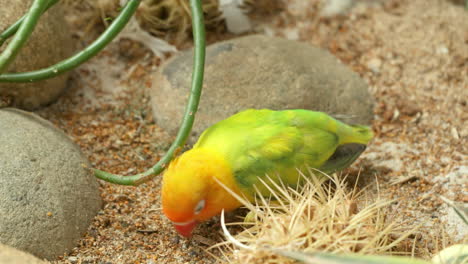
(442, 50)
(175, 240)
(374, 65)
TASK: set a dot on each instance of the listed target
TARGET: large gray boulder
(50, 43)
(9, 255)
(260, 72)
(47, 196)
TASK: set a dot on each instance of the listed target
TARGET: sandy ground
(413, 54)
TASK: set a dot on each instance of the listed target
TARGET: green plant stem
(24, 31)
(14, 28)
(190, 110)
(111, 32)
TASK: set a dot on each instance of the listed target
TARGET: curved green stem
(117, 25)
(14, 28)
(190, 110)
(24, 31)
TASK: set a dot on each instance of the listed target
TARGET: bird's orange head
(190, 192)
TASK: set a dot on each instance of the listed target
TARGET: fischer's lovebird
(246, 148)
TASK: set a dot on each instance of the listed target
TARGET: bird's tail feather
(344, 156)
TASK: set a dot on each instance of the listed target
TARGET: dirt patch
(413, 54)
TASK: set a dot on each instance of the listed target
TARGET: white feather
(236, 21)
(133, 31)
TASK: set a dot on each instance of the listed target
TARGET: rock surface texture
(47, 197)
(50, 43)
(9, 255)
(260, 72)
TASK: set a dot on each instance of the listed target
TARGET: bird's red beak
(186, 228)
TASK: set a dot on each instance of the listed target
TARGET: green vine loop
(190, 110)
(111, 32)
(24, 31)
(14, 28)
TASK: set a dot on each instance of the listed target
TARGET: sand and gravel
(413, 54)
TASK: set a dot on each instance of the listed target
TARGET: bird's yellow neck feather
(221, 177)
(197, 174)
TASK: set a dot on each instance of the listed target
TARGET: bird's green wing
(275, 143)
(282, 157)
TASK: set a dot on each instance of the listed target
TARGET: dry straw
(170, 19)
(323, 215)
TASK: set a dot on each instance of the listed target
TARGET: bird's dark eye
(199, 207)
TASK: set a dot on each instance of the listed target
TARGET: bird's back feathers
(263, 142)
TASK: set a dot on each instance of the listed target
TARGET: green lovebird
(246, 148)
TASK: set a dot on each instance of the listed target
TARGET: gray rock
(47, 197)
(9, 255)
(50, 43)
(260, 72)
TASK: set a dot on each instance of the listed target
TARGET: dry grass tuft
(170, 19)
(264, 7)
(161, 17)
(320, 216)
